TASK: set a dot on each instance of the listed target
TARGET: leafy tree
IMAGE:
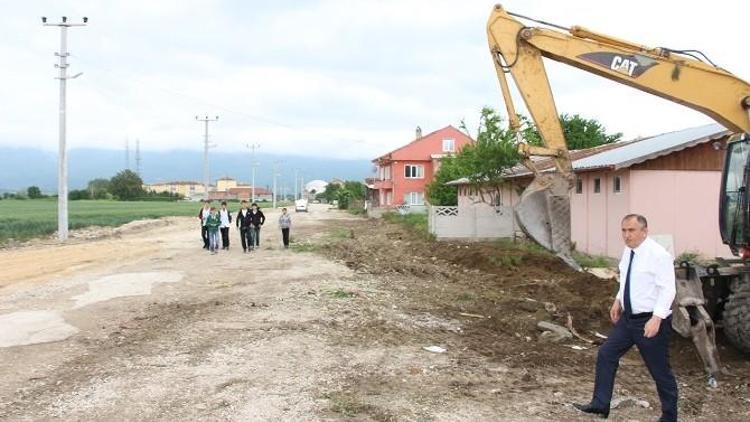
(579, 132)
(126, 186)
(98, 188)
(330, 193)
(495, 150)
(357, 189)
(438, 192)
(344, 197)
(482, 162)
(33, 192)
(78, 194)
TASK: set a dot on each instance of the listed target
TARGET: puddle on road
(126, 284)
(33, 327)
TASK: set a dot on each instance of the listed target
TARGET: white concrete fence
(477, 222)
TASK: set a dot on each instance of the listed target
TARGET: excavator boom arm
(518, 49)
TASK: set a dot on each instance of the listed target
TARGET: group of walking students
(248, 221)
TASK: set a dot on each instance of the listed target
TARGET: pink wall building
(672, 179)
(403, 174)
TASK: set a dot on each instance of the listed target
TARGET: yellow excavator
(686, 77)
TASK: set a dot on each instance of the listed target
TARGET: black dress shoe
(588, 408)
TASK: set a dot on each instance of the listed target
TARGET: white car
(300, 205)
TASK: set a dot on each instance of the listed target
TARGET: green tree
(357, 189)
(482, 162)
(126, 186)
(330, 193)
(579, 132)
(344, 197)
(78, 194)
(98, 188)
(438, 192)
(33, 192)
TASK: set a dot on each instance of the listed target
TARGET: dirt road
(144, 325)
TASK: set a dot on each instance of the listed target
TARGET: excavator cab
(733, 206)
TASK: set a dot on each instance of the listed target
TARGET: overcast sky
(348, 79)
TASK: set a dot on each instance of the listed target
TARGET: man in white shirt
(226, 220)
(642, 316)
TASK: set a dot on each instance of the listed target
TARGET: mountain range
(24, 167)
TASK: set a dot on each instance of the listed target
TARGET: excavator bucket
(543, 213)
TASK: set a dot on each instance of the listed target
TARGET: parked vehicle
(300, 205)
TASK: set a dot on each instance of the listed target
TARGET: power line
(199, 100)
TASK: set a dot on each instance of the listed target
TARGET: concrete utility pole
(254, 164)
(206, 145)
(296, 180)
(127, 154)
(138, 157)
(275, 175)
(62, 167)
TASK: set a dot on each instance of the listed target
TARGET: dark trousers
(246, 238)
(655, 353)
(204, 235)
(285, 236)
(255, 236)
(225, 237)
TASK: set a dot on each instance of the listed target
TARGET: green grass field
(26, 219)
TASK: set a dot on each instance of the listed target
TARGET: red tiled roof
(423, 137)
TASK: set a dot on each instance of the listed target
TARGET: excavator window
(733, 220)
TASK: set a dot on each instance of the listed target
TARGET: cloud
(349, 79)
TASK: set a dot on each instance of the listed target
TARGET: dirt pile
(513, 285)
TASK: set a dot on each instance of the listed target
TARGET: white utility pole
(62, 161)
(127, 154)
(302, 186)
(275, 175)
(206, 175)
(254, 164)
(138, 157)
(296, 181)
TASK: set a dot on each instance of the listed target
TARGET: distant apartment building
(187, 189)
(228, 189)
(404, 173)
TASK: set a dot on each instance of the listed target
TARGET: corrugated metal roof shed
(648, 149)
(632, 152)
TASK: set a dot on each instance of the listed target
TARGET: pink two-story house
(403, 174)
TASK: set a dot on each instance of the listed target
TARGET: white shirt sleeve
(665, 282)
(621, 278)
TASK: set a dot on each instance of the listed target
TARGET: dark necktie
(628, 306)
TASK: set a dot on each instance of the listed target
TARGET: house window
(449, 145)
(413, 171)
(597, 185)
(414, 198)
(385, 173)
(617, 184)
(388, 198)
(579, 185)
